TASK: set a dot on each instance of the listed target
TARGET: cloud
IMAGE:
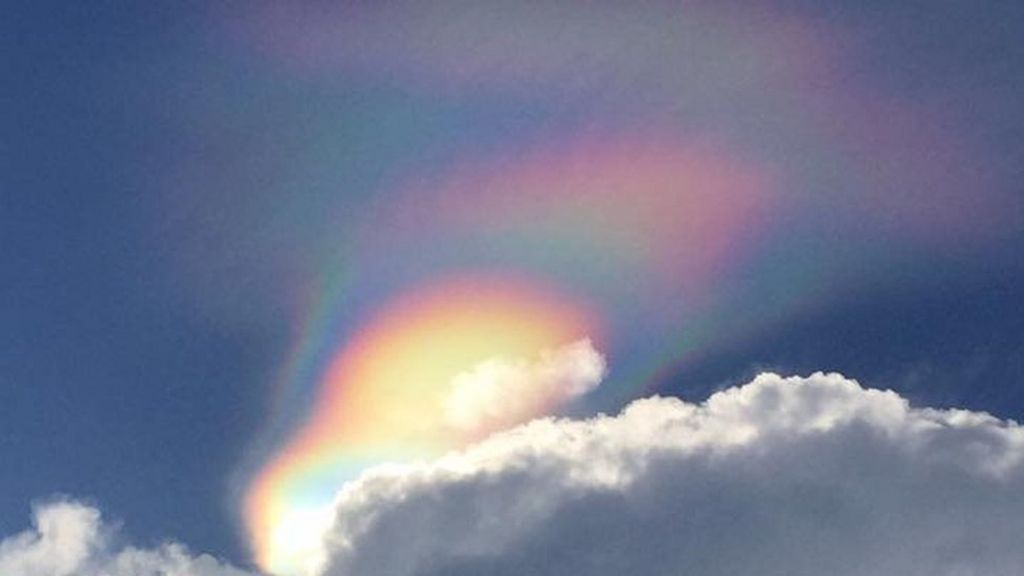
(783, 476)
(781, 81)
(69, 538)
(499, 392)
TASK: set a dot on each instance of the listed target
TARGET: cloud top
(779, 477)
(782, 476)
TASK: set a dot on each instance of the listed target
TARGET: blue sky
(171, 188)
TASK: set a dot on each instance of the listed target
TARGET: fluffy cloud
(70, 539)
(797, 476)
(783, 476)
(500, 392)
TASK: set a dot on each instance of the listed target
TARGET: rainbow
(649, 228)
(381, 397)
(629, 236)
(653, 241)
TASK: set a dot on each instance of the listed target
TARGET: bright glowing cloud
(783, 476)
(476, 208)
(394, 391)
(679, 204)
(500, 391)
(629, 241)
(70, 539)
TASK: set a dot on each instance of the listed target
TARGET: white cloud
(783, 476)
(798, 476)
(500, 392)
(70, 539)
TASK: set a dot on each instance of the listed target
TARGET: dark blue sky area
(154, 213)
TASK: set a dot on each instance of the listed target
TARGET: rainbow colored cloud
(714, 173)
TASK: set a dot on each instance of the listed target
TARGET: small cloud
(69, 538)
(500, 392)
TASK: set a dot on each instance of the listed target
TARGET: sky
(320, 289)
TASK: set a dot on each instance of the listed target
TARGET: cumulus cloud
(500, 392)
(782, 476)
(69, 538)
